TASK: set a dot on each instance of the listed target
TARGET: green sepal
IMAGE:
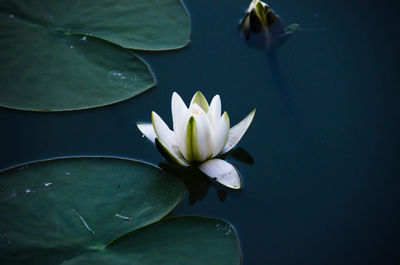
(167, 154)
(289, 29)
(189, 138)
(200, 100)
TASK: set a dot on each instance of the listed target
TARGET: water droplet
(142, 135)
(125, 80)
(11, 16)
(48, 184)
(84, 38)
(27, 191)
(226, 229)
(67, 173)
(72, 46)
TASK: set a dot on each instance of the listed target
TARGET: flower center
(195, 110)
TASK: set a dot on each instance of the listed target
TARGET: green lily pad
(55, 210)
(176, 240)
(134, 24)
(59, 55)
(58, 72)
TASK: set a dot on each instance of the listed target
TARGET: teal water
(323, 188)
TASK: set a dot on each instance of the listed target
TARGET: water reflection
(197, 183)
(241, 155)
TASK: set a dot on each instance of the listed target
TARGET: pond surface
(324, 185)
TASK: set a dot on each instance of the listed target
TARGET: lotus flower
(200, 134)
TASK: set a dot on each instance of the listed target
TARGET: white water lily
(258, 17)
(255, 18)
(268, 29)
(200, 134)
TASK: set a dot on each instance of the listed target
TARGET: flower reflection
(197, 183)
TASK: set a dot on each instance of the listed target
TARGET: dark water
(324, 186)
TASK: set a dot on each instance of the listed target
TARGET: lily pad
(58, 209)
(59, 55)
(58, 72)
(176, 240)
(134, 24)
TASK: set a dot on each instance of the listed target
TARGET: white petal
(214, 112)
(200, 100)
(164, 134)
(196, 142)
(179, 111)
(171, 154)
(221, 134)
(236, 132)
(167, 140)
(252, 5)
(147, 129)
(202, 138)
(223, 172)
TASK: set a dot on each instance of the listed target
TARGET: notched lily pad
(59, 55)
(176, 240)
(54, 210)
(134, 24)
(59, 72)
(104, 211)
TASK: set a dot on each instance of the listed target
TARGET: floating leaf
(50, 62)
(176, 240)
(134, 24)
(55, 210)
(98, 211)
(59, 72)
